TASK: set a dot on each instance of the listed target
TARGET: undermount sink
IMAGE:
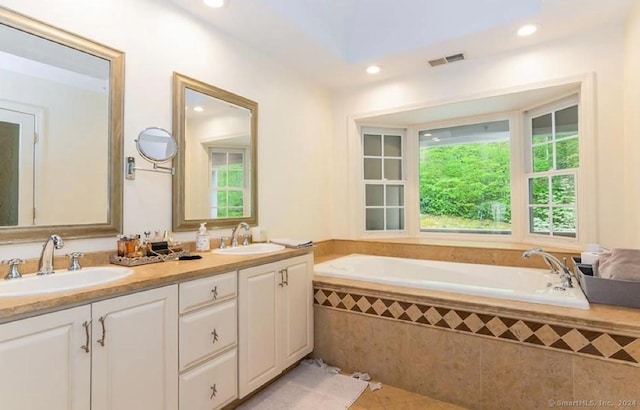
(62, 281)
(253, 249)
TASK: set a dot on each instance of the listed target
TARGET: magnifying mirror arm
(130, 171)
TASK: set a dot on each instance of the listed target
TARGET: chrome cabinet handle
(286, 275)
(215, 292)
(281, 272)
(214, 391)
(215, 335)
(86, 326)
(104, 331)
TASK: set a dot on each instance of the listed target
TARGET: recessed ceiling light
(426, 134)
(216, 4)
(373, 69)
(527, 30)
(197, 108)
(435, 139)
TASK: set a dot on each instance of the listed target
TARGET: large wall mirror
(215, 179)
(61, 111)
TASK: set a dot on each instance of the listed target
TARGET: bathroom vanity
(181, 334)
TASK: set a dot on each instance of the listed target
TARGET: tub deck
(598, 317)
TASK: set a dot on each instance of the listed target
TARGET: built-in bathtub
(503, 282)
(477, 352)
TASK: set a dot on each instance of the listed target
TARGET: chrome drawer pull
(286, 273)
(281, 272)
(215, 335)
(214, 391)
(86, 325)
(215, 292)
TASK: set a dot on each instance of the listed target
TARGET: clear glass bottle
(203, 242)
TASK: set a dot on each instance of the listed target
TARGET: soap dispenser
(202, 238)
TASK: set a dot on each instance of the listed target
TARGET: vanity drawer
(202, 292)
(206, 332)
(211, 385)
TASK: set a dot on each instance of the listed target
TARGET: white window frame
(363, 129)
(586, 189)
(578, 173)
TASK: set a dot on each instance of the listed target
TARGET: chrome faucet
(234, 234)
(554, 264)
(45, 267)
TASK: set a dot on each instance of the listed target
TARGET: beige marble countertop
(602, 317)
(144, 277)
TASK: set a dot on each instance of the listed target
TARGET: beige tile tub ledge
(598, 317)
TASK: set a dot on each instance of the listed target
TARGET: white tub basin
(62, 280)
(253, 249)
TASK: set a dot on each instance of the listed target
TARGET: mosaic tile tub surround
(609, 346)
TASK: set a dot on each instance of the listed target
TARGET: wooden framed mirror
(216, 167)
(61, 132)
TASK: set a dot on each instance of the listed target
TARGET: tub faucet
(234, 234)
(45, 267)
(555, 265)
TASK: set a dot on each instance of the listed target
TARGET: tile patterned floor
(392, 398)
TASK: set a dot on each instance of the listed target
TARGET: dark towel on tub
(621, 264)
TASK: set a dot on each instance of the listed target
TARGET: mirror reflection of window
(228, 184)
(215, 179)
(217, 158)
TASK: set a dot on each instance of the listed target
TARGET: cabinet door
(43, 364)
(297, 323)
(259, 290)
(135, 344)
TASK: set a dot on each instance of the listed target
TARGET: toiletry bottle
(202, 238)
(122, 246)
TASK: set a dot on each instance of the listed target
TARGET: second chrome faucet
(234, 234)
(45, 266)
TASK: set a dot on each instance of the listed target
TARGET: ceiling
(333, 41)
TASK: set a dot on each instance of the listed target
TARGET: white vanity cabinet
(114, 354)
(134, 363)
(275, 319)
(196, 345)
(43, 364)
(208, 342)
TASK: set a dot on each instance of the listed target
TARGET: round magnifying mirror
(156, 145)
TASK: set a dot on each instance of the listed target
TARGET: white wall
(159, 38)
(600, 52)
(632, 124)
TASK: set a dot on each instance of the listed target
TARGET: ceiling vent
(446, 60)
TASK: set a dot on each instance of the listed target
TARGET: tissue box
(608, 291)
